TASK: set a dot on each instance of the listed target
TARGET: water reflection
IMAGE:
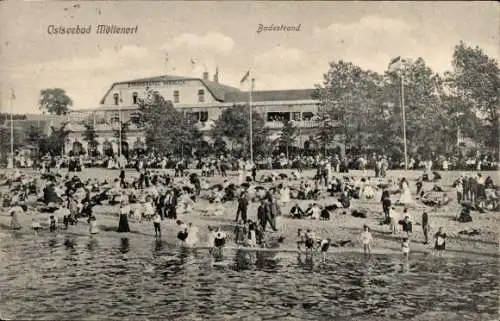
(69, 243)
(52, 242)
(184, 284)
(92, 244)
(124, 245)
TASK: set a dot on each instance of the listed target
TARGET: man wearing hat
(242, 207)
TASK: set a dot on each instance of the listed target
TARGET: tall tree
(168, 131)
(90, 136)
(234, 125)
(424, 117)
(475, 82)
(35, 139)
(55, 101)
(288, 135)
(347, 97)
(57, 139)
(5, 142)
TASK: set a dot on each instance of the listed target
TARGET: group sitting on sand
(152, 196)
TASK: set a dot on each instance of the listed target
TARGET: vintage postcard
(249, 160)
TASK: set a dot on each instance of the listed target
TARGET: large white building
(203, 98)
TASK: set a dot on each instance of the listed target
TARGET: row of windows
(202, 116)
(287, 116)
(176, 96)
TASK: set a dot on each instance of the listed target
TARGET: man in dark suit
(264, 215)
(170, 205)
(242, 207)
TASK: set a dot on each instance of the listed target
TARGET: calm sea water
(80, 278)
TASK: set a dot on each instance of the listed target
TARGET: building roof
(218, 90)
(271, 95)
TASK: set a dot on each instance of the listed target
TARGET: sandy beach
(340, 227)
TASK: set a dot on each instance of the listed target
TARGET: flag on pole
(395, 64)
(245, 77)
(13, 94)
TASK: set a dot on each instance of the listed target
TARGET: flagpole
(251, 120)
(404, 120)
(120, 129)
(12, 131)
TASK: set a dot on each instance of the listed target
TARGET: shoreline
(340, 227)
(143, 234)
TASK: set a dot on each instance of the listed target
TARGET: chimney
(205, 75)
(216, 75)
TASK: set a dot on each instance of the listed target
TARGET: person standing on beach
(386, 204)
(460, 190)
(122, 178)
(394, 218)
(242, 207)
(425, 226)
(264, 215)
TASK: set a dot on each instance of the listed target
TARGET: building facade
(201, 98)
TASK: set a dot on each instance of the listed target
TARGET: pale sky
(224, 33)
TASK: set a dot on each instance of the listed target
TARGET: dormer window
(134, 98)
(176, 96)
(201, 96)
(116, 98)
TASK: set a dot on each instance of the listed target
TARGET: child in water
(366, 239)
(182, 235)
(325, 244)
(252, 235)
(440, 241)
(52, 223)
(35, 225)
(309, 243)
(219, 242)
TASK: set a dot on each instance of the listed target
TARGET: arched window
(177, 98)
(116, 98)
(201, 96)
(134, 98)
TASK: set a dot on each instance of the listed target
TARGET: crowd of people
(152, 196)
(379, 163)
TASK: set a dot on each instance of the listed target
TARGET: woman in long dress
(192, 238)
(123, 226)
(405, 193)
(285, 195)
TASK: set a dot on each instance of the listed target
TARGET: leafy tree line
(365, 107)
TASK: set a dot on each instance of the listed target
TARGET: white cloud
(214, 42)
(371, 42)
(281, 60)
